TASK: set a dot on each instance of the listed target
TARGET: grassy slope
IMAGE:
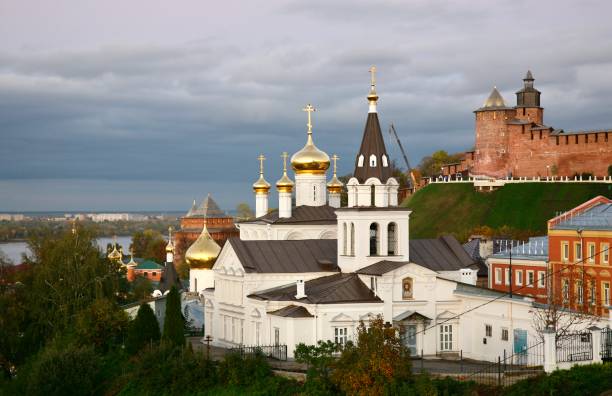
(458, 208)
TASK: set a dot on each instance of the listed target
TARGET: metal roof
(536, 248)
(381, 267)
(334, 289)
(598, 217)
(441, 254)
(372, 143)
(274, 256)
(292, 311)
(169, 278)
(208, 208)
(302, 214)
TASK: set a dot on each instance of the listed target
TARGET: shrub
(103, 324)
(144, 330)
(174, 322)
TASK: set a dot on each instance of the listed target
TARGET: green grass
(457, 208)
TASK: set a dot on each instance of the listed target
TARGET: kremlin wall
(515, 142)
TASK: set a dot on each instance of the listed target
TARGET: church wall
(283, 232)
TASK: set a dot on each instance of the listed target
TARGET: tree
(103, 324)
(244, 211)
(149, 244)
(320, 360)
(143, 330)
(174, 322)
(377, 363)
(431, 165)
(142, 288)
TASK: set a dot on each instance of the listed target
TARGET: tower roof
(495, 99)
(372, 144)
(528, 76)
(208, 208)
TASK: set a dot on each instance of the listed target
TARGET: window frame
(605, 253)
(542, 279)
(446, 337)
(577, 251)
(504, 334)
(507, 276)
(498, 276)
(518, 281)
(488, 330)
(341, 335)
(565, 251)
(592, 255)
(532, 282)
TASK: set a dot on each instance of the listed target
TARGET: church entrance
(410, 339)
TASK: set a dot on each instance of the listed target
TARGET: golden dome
(284, 184)
(495, 100)
(310, 160)
(115, 255)
(335, 185)
(203, 252)
(170, 245)
(261, 186)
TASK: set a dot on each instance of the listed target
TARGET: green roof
(148, 265)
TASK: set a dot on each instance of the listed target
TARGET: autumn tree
(149, 244)
(244, 211)
(377, 363)
(430, 165)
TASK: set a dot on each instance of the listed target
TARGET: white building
(313, 271)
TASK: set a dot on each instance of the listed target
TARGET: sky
(148, 104)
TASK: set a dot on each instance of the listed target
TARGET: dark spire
(169, 278)
(372, 159)
(528, 96)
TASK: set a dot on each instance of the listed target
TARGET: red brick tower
(491, 154)
(528, 102)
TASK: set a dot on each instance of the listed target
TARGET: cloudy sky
(148, 104)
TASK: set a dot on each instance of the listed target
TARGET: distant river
(14, 250)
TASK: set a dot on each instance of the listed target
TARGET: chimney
(300, 286)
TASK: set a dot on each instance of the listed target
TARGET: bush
(103, 324)
(67, 370)
(144, 330)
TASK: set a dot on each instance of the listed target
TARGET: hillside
(458, 208)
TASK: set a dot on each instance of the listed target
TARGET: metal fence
(194, 332)
(606, 344)
(278, 352)
(575, 347)
(507, 370)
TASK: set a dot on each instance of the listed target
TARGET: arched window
(392, 239)
(385, 161)
(373, 161)
(407, 293)
(360, 161)
(314, 193)
(352, 246)
(344, 241)
(374, 239)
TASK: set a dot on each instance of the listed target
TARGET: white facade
(200, 279)
(251, 231)
(261, 204)
(310, 189)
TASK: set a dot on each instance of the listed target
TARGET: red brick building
(515, 142)
(220, 226)
(579, 256)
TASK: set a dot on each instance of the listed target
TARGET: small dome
(115, 255)
(335, 185)
(169, 247)
(284, 184)
(203, 252)
(261, 185)
(494, 100)
(310, 159)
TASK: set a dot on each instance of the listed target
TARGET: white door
(410, 339)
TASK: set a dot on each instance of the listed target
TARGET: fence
(278, 352)
(577, 347)
(507, 370)
(606, 344)
(194, 332)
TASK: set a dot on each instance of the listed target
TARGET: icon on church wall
(407, 289)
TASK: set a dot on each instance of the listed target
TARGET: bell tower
(528, 101)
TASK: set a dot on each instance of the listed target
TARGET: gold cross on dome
(335, 158)
(373, 75)
(261, 159)
(309, 109)
(284, 157)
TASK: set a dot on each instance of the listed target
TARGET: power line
(506, 294)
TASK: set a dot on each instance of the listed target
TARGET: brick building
(515, 142)
(220, 226)
(579, 256)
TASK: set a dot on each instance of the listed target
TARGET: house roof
(536, 248)
(208, 208)
(411, 315)
(281, 256)
(148, 265)
(292, 311)
(372, 143)
(333, 289)
(302, 214)
(381, 267)
(441, 254)
(593, 216)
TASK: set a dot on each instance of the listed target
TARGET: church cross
(335, 158)
(261, 159)
(284, 157)
(309, 109)
(373, 75)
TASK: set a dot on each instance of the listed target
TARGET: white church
(314, 269)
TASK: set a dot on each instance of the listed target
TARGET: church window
(276, 336)
(372, 195)
(385, 162)
(352, 246)
(360, 161)
(392, 239)
(374, 239)
(314, 193)
(446, 337)
(373, 283)
(344, 241)
(407, 292)
(373, 161)
(340, 335)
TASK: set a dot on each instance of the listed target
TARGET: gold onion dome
(335, 185)
(310, 159)
(115, 254)
(170, 245)
(203, 252)
(284, 184)
(261, 186)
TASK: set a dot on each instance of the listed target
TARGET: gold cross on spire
(261, 159)
(284, 157)
(335, 158)
(373, 76)
(309, 109)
